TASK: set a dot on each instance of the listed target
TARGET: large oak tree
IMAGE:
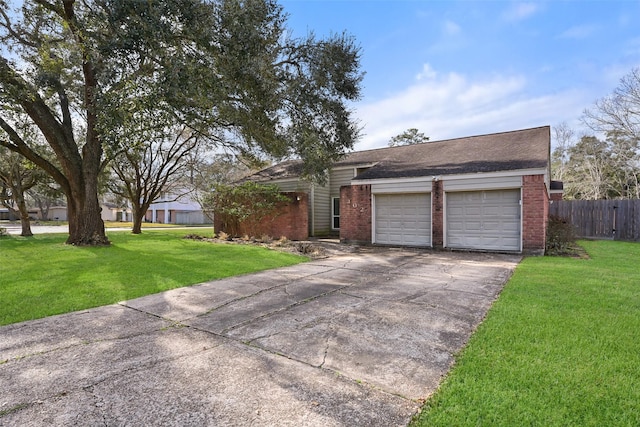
(82, 71)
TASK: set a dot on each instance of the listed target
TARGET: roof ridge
(451, 139)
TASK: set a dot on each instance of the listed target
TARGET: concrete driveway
(357, 339)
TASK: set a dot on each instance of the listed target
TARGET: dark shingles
(283, 170)
(521, 149)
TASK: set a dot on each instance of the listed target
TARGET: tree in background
(17, 176)
(408, 137)
(625, 164)
(46, 194)
(207, 172)
(618, 117)
(618, 112)
(588, 169)
(144, 173)
(601, 168)
(229, 70)
(563, 139)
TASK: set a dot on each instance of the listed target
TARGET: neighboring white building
(168, 210)
(57, 213)
(110, 212)
(115, 213)
(5, 214)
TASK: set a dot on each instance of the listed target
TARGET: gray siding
(294, 184)
(322, 211)
(338, 178)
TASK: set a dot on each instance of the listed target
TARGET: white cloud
(579, 32)
(452, 105)
(520, 11)
(426, 73)
(451, 28)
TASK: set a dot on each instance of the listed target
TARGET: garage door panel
(487, 220)
(492, 226)
(492, 210)
(513, 227)
(471, 226)
(456, 210)
(511, 210)
(403, 219)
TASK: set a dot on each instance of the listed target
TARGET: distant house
(173, 209)
(8, 215)
(57, 213)
(487, 192)
(109, 212)
(115, 213)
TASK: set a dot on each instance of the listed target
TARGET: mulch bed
(314, 249)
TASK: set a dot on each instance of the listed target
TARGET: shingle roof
(520, 149)
(283, 170)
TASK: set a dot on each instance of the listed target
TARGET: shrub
(241, 208)
(561, 236)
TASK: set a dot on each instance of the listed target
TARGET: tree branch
(17, 145)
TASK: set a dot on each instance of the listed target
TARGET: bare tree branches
(620, 111)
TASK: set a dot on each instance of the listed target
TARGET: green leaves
(245, 205)
(408, 137)
(99, 77)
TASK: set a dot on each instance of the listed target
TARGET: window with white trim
(335, 213)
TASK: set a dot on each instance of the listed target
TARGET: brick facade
(355, 214)
(291, 221)
(535, 212)
(437, 215)
(556, 196)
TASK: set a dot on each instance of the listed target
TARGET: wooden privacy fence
(601, 219)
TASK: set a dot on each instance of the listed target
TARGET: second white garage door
(403, 219)
(487, 220)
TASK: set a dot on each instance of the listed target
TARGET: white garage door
(484, 220)
(403, 219)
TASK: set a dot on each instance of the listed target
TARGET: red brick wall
(437, 215)
(355, 213)
(556, 197)
(291, 221)
(535, 212)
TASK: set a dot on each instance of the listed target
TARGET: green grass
(121, 224)
(560, 347)
(41, 276)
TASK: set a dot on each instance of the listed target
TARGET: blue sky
(461, 68)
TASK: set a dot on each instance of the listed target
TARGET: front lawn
(560, 347)
(41, 276)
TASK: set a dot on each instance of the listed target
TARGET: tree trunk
(25, 221)
(86, 227)
(43, 206)
(138, 214)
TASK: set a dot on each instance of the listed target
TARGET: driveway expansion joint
(282, 309)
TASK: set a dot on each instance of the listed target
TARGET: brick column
(535, 212)
(437, 212)
(355, 214)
